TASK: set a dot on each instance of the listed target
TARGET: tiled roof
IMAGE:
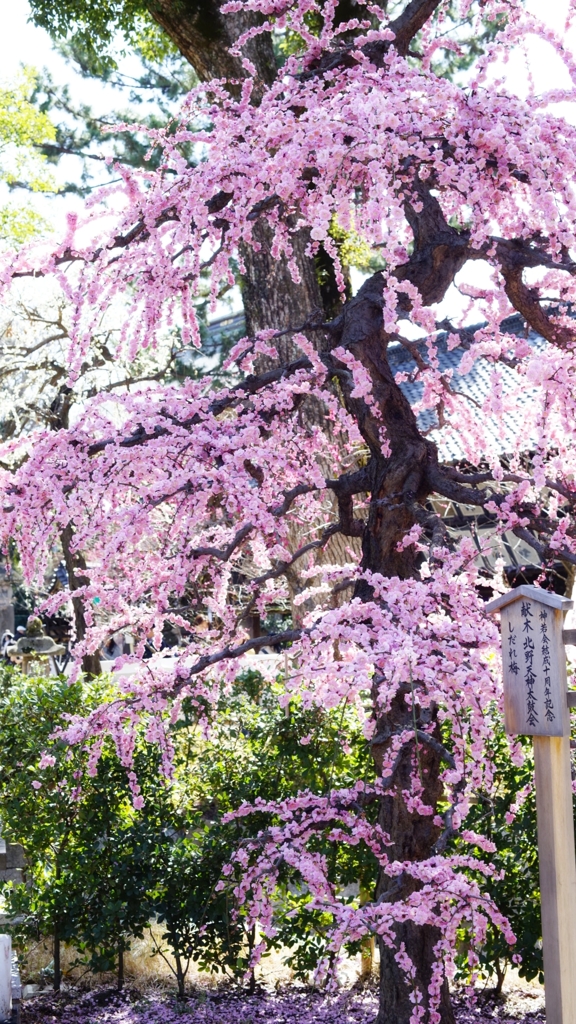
(475, 384)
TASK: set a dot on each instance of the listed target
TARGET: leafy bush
(99, 870)
(507, 816)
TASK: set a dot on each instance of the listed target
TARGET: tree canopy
(23, 129)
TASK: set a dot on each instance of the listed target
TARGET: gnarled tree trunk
(398, 484)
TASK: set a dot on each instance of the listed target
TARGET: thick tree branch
(405, 27)
(487, 476)
(271, 639)
(526, 300)
(224, 554)
(408, 24)
(351, 483)
(442, 484)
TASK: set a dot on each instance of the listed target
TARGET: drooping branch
(283, 567)
(254, 644)
(527, 302)
(486, 476)
(250, 386)
(224, 554)
(544, 552)
(436, 746)
(289, 497)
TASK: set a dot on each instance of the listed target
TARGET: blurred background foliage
(24, 129)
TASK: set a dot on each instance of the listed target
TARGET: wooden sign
(533, 662)
(536, 704)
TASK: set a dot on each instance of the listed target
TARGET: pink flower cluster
(177, 492)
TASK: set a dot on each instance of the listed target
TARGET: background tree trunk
(57, 969)
(76, 567)
(272, 300)
(120, 982)
(203, 36)
(74, 561)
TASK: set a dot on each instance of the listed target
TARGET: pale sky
(24, 43)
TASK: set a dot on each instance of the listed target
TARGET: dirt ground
(149, 996)
(522, 1004)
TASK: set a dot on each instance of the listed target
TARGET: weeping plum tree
(185, 498)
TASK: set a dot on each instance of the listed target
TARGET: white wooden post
(536, 704)
(5, 977)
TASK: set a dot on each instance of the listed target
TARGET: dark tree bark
(180, 976)
(271, 298)
(120, 978)
(76, 568)
(56, 949)
(204, 37)
(398, 483)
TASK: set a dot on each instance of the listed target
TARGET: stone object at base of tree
(34, 644)
(10, 988)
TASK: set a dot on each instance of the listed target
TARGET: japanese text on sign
(534, 668)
